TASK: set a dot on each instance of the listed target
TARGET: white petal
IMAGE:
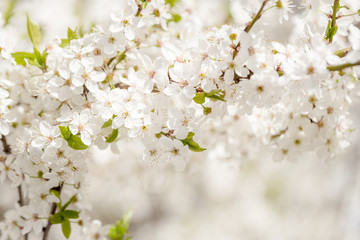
(64, 73)
(229, 76)
(109, 49)
(78, 81)
(39, 142)
(88, 63)
(75, 65)
(85, 137)
(98, 76)
(3, 93)
(172, 89)
(4, 128)
(181, 133)
(115, 27)
(189, 91)
(117, 122)
(74, 129)
(85, 116)
(56, 81)
(45, 128)
(129, 33)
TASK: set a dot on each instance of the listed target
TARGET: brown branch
(251, 24)
(52, 212)
(7, 148)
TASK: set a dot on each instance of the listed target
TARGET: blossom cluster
(149, 75)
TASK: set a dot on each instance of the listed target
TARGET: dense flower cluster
(150, 75)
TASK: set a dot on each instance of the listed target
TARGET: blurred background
(252, 198)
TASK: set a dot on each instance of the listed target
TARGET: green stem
(348, 15)
(335, 8)
(342, 66)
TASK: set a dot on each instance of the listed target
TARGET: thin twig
(257, 17)
(7, 148)
(52, 212)
(251, 24)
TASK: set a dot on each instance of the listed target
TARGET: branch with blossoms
(151, 74)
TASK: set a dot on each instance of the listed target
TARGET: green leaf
(199, 98)
(66, 228)
(327, 32)
(112, 136)
(108, 123)
(65, 132)
(9, 11)
(64, 42)
(72, 214)
(171, 2)
(55, 193)
(190, 136)
(34, 32)
(120, 229)
(215, 95)
(333, 31)
(20, 57)
(75, 143)
(192, 145)
(57, 218)
(72, 34)
(175, 18)
(72, 199)
(38, 56)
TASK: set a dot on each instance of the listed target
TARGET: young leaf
(72, 214)
(108, 123)
(215, 95)
(55, 193)
(171, 2)
(112, 136)
(175, 18)
(75, 143)
(38, 56)
(57, 218)
(20, 57)
(34, 32)
(71, 34)
(120, 229)
(192, 145)
(199, 98)
(64, 42)
(65, 132)
(66, 228)
(9, 11)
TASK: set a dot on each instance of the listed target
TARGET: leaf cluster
(119, 231)
(36, 58)
(63, 216)
(193, 146)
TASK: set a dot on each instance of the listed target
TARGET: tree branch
(52, 212)
(251, 24)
